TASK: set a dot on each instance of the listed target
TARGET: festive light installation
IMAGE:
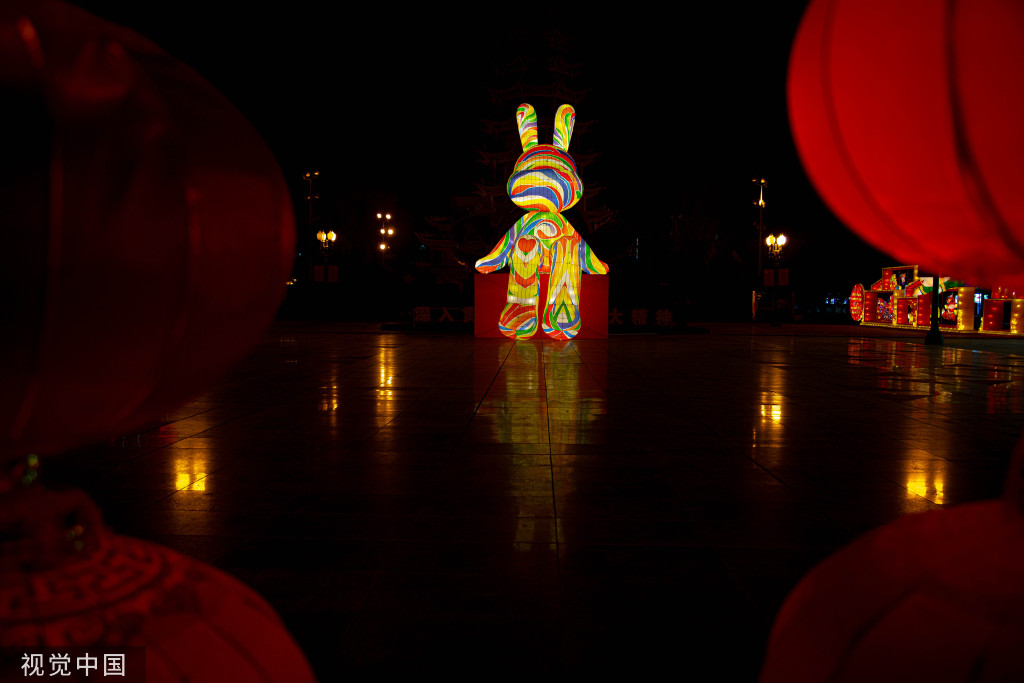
(545, 183)
(147, 236)
(907, 119)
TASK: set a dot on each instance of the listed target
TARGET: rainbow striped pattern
(545, 179)
(545, 183)
(526, 119)
(564, 120)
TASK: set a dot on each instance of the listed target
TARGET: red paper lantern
(857, 302)
(147, 230)
(934, 596)
(147, 235)
(66, 581)
(907, 119)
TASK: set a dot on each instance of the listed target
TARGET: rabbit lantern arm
(498, 257)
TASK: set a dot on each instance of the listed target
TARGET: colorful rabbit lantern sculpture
(545, 183)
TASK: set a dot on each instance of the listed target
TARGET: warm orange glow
(383, 246)
(189, 474)
(332, 236)
(378, 215)
(927, 479)
(329, 398)
(391, 231)
(385, 392)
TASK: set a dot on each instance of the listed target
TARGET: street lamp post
(326, 238)
(310, 176)
(775, 244)
(759, 282)
(387, 231)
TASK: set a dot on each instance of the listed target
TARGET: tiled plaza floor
(451, 504)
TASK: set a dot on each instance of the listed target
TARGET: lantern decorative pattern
(545, 183)
(66, 581)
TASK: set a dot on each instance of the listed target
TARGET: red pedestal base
(491, 290)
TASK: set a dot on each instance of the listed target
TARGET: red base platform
(491, 290)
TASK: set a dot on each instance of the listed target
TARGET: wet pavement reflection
(412, 501)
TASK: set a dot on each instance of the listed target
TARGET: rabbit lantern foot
(545, 183)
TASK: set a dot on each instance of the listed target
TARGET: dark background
(387, 105)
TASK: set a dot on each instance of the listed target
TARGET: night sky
(688, 108)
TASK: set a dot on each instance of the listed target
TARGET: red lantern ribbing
(907, 119)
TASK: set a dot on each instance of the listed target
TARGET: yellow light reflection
(927, 479)
(329, 397)
(190, 474)
(385, 387)
(329, 401)
(769, 400)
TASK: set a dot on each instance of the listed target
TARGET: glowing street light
(386, 231)
(325, 237)
(775, 245)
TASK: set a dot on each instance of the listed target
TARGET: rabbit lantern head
(545, 183)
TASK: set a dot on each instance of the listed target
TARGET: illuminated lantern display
(901, 298)
(857, 302)
(545, 183)
(932, 596)
(907, 117)
(147, 237)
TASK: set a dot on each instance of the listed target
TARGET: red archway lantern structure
(907, 119)
(147, 236)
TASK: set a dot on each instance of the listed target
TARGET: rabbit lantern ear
(564, 120)
(526, 118)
